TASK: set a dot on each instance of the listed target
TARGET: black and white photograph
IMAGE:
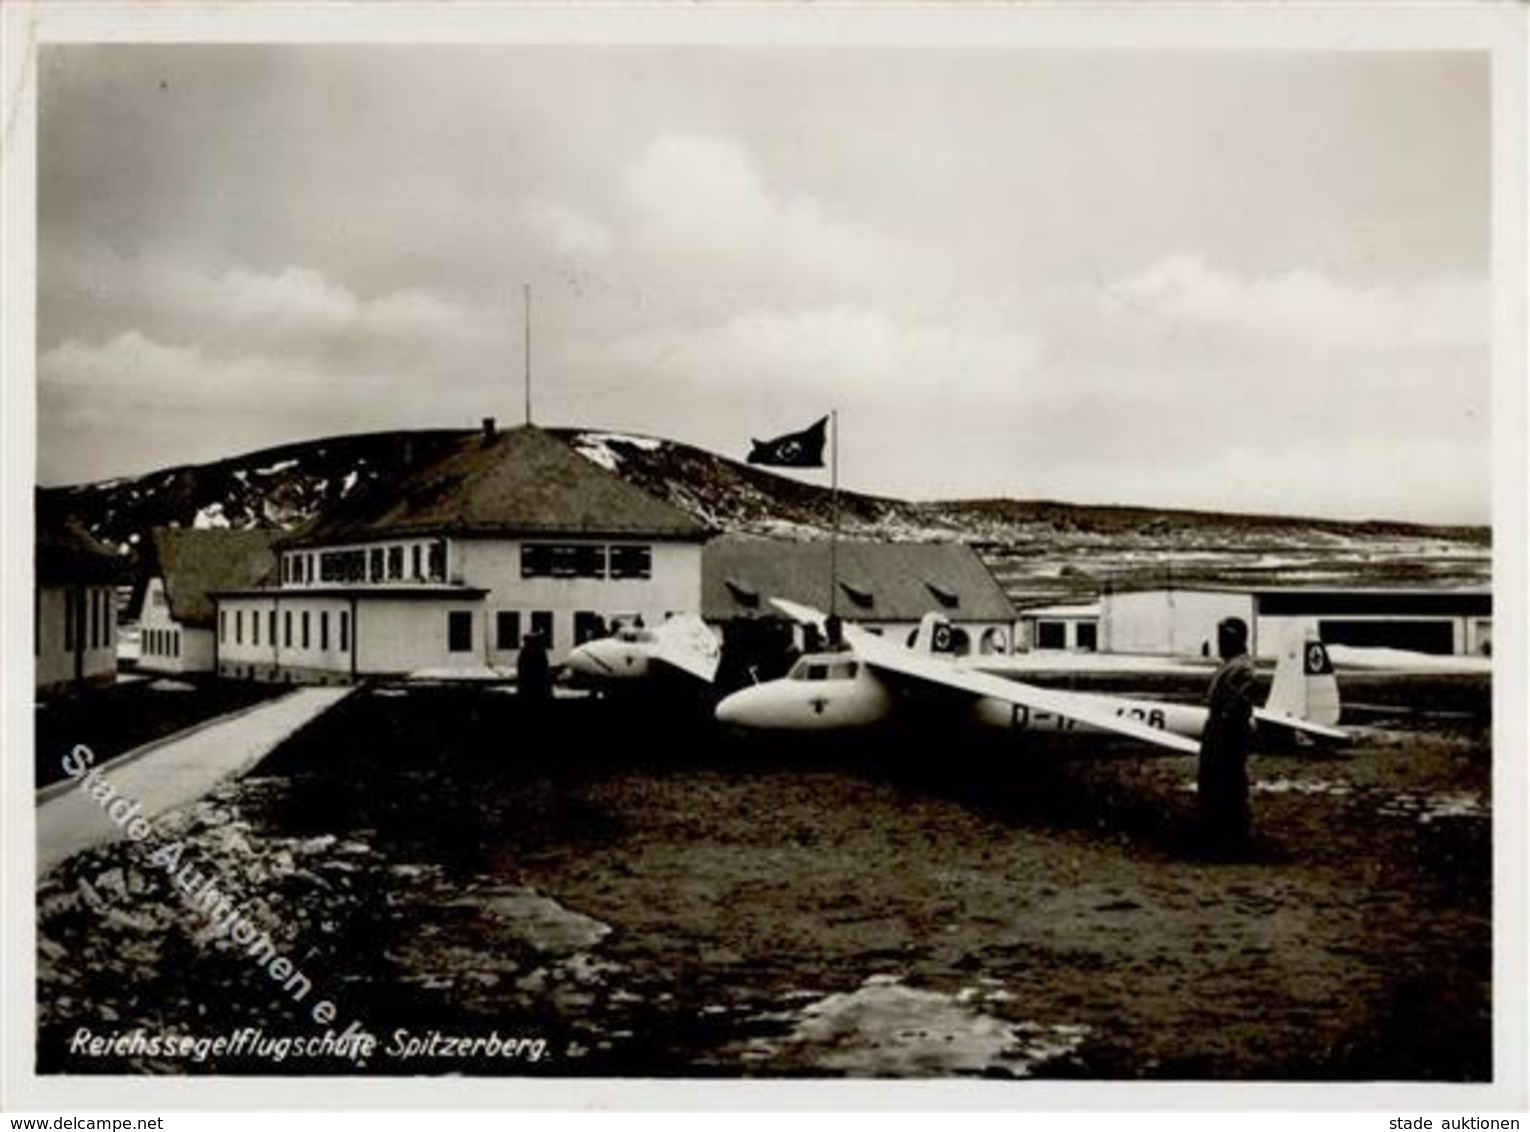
(743, 548)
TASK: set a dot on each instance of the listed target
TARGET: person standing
(1222, 775)
(533, 672)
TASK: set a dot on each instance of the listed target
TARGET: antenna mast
(526, 287)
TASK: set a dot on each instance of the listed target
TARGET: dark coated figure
(1222, 777)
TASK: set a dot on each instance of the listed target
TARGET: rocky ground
(648, 897)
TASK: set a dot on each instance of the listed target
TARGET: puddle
(887, 1029)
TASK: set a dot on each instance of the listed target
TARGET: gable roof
(196, 563)
(520, 481)
(65, 552)
(877, 581)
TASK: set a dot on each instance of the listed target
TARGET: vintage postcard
(677, 555)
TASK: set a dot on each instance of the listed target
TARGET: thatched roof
(521, 481)
(196, 563)
(877, 581)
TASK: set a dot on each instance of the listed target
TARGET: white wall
(56, 658)
(405, 635)
(495, 565)
(390, 636)
(239, 652)
(1172, 622)
(181, 648)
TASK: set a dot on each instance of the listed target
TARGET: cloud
(295, 311)
(1303, 308)
(132, 403)
(701, 206)
(570, 230)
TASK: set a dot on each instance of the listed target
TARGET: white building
(74, 609)
(449, 569)
(173, 605)
(1066, 628)
(1183, 622)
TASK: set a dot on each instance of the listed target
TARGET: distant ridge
(1040, 549)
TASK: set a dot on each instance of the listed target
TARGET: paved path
(171, 772)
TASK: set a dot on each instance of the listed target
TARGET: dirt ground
(653, 897)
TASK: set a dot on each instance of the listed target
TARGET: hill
(1041, 550)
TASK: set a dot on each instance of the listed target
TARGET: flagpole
(526, 289)
(834, 510)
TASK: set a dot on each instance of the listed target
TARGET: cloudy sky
(1230, 279)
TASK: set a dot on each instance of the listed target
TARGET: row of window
(508, 629)
(162, 642)
(87, 619)
(586, 560)
(1054, 635)
(304, 622)
(427, 563)
(375, 564)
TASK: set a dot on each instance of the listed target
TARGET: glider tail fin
(1304, 687)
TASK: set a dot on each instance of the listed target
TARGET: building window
(1087, 635)
(377, 564)
(507, 629)
(287, 629)
(436, 561)
(632, 562)
(313, 574)
(254, 626)
(175, 642)
(271, 627)
(305, 628)
(1051, 635)
(395, 563)
(343, 566)
(286, 570)
(588, 627)
(542, 625)
(223, 626)
(345, 630)
(459, 631)
(562, 560)
(414, 562)
(324, 630)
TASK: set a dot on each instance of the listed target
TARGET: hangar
(882, 586)
(1182, 622)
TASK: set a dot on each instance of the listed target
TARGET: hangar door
(1418, 636)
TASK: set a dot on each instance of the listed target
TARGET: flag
(794, 450)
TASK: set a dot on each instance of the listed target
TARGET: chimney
(489, 429)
